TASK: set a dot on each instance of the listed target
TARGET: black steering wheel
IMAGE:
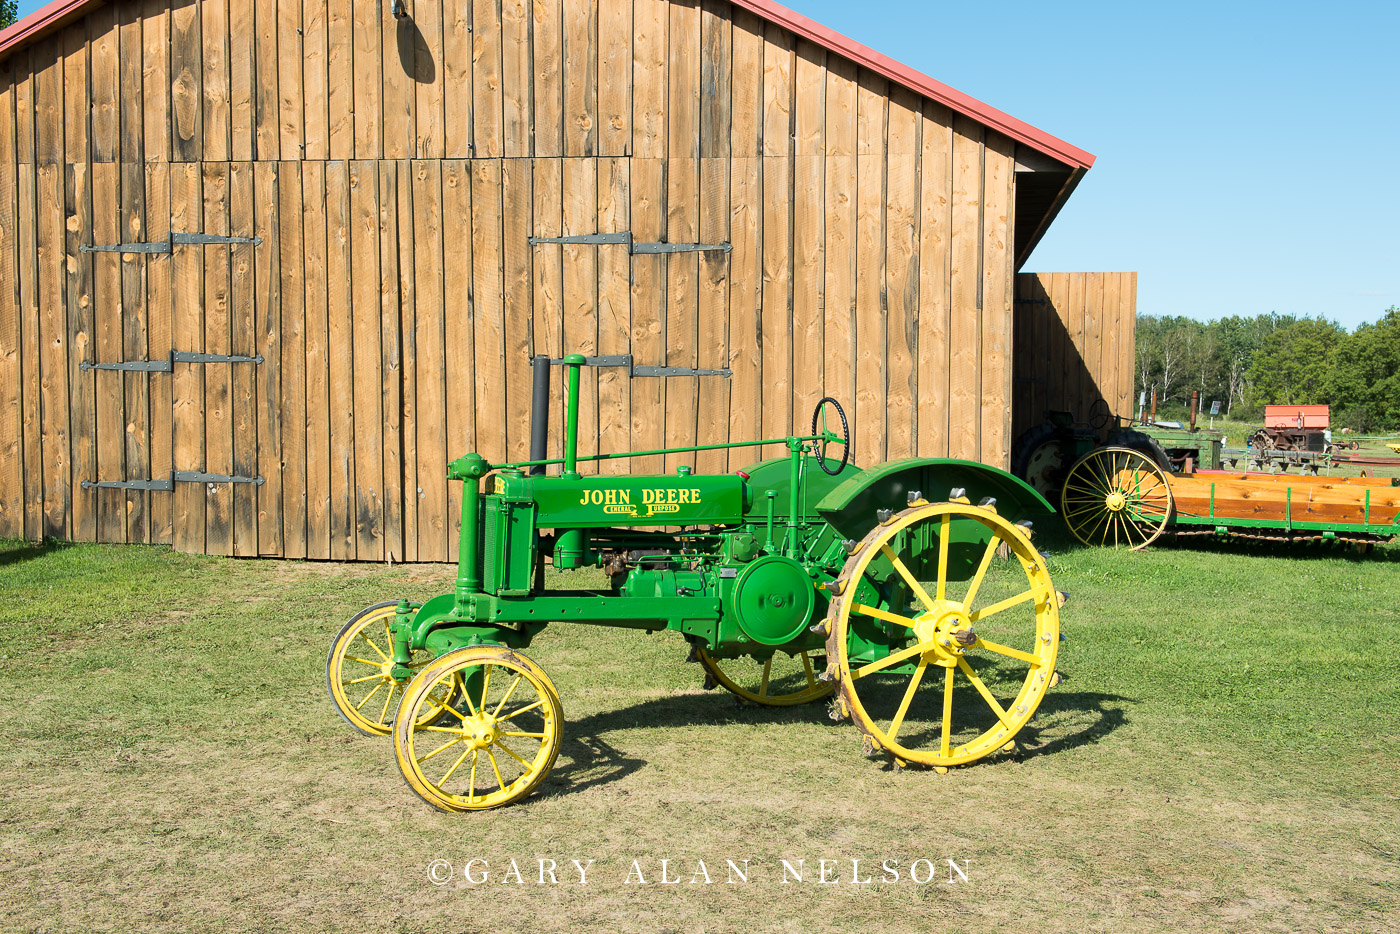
(1100, 414)
(845, 437)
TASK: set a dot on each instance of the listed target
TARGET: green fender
(851, 507)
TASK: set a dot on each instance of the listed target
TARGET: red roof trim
(63, 11)
(919, 82)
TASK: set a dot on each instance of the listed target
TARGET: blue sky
(1245, 150)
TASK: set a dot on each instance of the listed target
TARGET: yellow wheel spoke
(471, 780)
(362, 661)
(361, 680)
(485, 683)
(500, 782)
(898, 720)
(455, 731)
(864, 610)
(947, 709)
(981, 570)
(518, 733)
(388, 697)
(892, 659)
(514, 684)
(460, 759)
(462, 686)
(767, 670)
(986, 694)
(515, 713)
(508, 751)
(378, 651)
(369, 695)
(904, 572)
(1006, 604)
(942, 558)
(1009, 652)
(807, 665)
(388, 636)
(447, 745)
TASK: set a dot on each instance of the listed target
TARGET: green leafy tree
(1293, 365)
(1364, 384)
(9, 12)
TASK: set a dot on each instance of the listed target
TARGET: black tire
(1023, 451)
(1142, 443)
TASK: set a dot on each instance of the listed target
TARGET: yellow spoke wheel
(1116, 497)
(493, 744)
(979, 634)
(358, 670)
(781, 680)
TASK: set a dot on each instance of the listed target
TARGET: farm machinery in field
(793, 580)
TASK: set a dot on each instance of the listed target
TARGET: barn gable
(368, 194)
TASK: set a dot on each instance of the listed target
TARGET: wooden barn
(266, 266)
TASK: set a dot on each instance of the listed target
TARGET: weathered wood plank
(712, 316)
(517, 131)
(47, 60)
(390, 369)
(248, 279)
(1127, 296)
(614, 312)
(516, 179)
(26, 227)
(398, 66)
(869, 432)
(487, 105)
(433, 443)
(746, 236)
(935, 277)
(902, 216)
(432, 58)
(293, 413)
(716, 41)
(407, 323)
(369, 88)
(187, 333)
(186, 82)
(134, 347)
(291, 61)
(839, 280)
(460, 379)
(368, 362)
(53, 353)
(580, 77)
(681, 333)
(650, 33)
(809, 234)
(579, 298)
(547, 58)
(218, 385)
(341, 366)
(488, 309)
(614, 78)
(965, 328)
(104, 63)
(340, 67)
(109, 385)
(82, 386)
(456, 96)
(315, 79)
(243, 43)
(156, 86)
(213, 55)
(649, 303)
(547, 321)
(159, 344)
(778, 245)
(131, 122)
(76, 102)
(318, 351)
(11, 328)
(997, 262)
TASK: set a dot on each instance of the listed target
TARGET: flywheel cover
(773, 600)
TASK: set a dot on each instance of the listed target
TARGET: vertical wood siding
(394, 171)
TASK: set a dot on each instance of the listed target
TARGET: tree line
(1247, 363)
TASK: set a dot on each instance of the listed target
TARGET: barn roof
(1052, 166)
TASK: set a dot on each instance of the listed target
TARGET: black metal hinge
(166, 246)
(634, 371)
(168, 364)
(167, 485)
(632, 246)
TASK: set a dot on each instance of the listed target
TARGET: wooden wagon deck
(1233, 498)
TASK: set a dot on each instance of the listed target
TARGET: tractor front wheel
(493, 744)
(359, 670)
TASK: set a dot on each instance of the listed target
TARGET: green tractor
(910, 591)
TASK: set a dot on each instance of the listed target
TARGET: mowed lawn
(1221, 756)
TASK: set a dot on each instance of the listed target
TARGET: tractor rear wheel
(1118, 497)
(780, 680)
(494, 744)
(988, 631)
(1041, 456)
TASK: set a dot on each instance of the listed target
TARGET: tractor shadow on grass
(1065, 720)
(19, 551)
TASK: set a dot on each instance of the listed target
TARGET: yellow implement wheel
(990, 626)
(781, 680)
(493, 744)
(358, 670)
(1117, 497)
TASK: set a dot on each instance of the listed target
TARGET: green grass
(1221, 757)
